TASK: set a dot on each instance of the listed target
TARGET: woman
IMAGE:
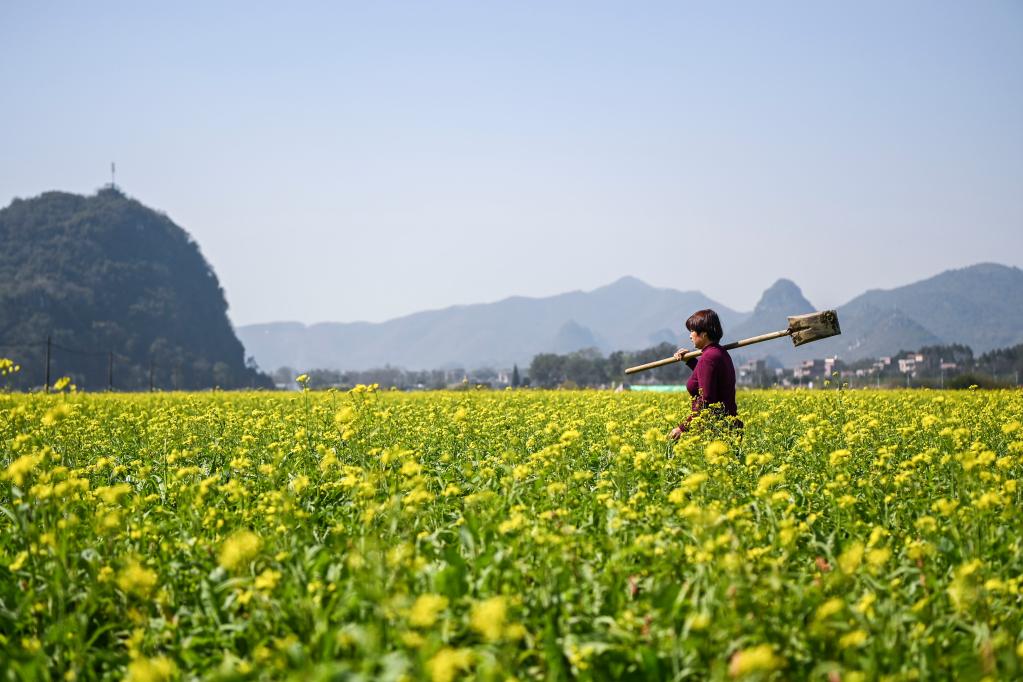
(713, 379)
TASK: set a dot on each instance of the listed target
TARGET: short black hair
(706, 322)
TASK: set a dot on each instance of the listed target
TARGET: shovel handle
(667, 361)
(697, 353)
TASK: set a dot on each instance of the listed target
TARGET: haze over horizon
(352, 162)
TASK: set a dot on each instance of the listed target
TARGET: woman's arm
(693, 384)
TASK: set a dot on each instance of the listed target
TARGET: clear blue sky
(344, 161)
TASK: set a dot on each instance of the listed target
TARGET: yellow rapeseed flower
(989, 499)
(112, 494)
(267, 580)
(851, 558)
(447, 663)
(425, 610)
(865, 605)
(55, 415)
(159, 669)
(677, 496)
(698, 621)
(239, 549)
(556, 489)
(345, 415)
(715, 449)
(962, 590)
(854, 639)
(299, 483)
(760, 658)
(838, 456)
(488, 618)
(766, 482)
(945, 507)
(136, 579)
(878, 557)
(512, 523)
(18, 469)
(830, 608)
(689, 484)
(413, 640)
(18, 562)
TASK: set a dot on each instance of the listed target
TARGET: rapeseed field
(510, 535)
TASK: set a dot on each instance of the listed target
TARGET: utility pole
(941, 362)
(110, 371)
(46, 386)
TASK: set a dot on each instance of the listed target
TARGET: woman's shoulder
(714, 350)
(715, 354)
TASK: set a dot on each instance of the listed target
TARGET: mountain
(781, 300)
(977, 306)
(623, 315)
(104, 274)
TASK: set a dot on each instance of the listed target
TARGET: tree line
(590, 368)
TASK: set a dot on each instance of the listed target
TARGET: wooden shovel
(802, 329)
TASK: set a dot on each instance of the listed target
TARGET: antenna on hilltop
(113, 175)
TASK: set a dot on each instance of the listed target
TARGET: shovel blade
(813, 326)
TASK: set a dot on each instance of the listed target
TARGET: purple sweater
(713, 379)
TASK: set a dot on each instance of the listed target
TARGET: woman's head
(705, 322)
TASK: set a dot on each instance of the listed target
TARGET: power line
(50, 346)
(76, 351)
(22, 346)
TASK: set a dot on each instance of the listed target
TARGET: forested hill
(104, 274)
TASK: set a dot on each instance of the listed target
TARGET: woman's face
(699, 339)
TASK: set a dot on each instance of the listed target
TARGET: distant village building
(755, 373)
(817, 369)
(910, 364)
(753, 366)
(877, 367)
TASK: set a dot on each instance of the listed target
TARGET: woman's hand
(675, 433)
(680, 352)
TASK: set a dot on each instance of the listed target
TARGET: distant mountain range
(978, 306)
(625, 314)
